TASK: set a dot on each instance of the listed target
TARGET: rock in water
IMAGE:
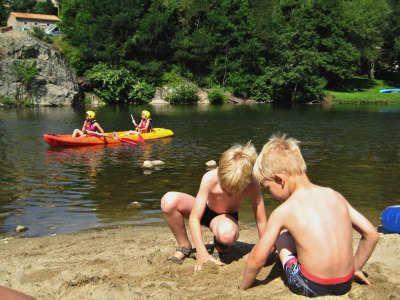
(211, 164)
(21, 228)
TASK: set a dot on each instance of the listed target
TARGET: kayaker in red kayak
(90, 124)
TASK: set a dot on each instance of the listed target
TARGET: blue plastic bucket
(390, 219)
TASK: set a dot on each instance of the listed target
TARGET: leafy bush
(8, 101)
(173, 78)
(217, 96)
(186, 93)
(239, 84)
(39, 33)
(118, 85)
(110, 84)
(141, 92)
(260, 91)
(63, 45)
(26, 71)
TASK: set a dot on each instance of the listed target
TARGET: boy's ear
(279, 178)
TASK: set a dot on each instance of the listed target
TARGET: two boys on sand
(216, 206)
(311, 229)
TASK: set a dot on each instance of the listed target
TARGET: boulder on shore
(54, 84)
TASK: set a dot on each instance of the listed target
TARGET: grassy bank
(363, 90)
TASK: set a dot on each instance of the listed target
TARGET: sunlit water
(355, 150)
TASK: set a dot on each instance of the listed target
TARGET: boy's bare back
(317, 218)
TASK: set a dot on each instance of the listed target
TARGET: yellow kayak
(156, 133)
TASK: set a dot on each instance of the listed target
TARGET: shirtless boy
(216, 206)
(312, 228)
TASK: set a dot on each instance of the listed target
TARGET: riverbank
(362, 90)
(129, 263)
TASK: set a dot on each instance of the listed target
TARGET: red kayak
(108, 138)
(68, 140)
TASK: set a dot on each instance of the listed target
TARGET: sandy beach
(130, 263)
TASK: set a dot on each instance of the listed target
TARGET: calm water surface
(354, 149)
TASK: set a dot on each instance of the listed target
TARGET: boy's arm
(194, 221)
(257, 203)
(368, 241)
(259, 255)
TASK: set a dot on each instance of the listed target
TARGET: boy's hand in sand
(360, 275)
(198, 265)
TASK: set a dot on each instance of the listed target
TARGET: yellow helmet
(90, 114)
(145, 114)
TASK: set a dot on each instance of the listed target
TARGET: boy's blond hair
(279, 154)
(235, 168)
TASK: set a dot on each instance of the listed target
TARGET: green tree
(366, 22)
(148, 50)
(45, 7)
(26, 6)
(101, 30)
(217, 42)
(284, 50)
(390, 59)
(3, 14)
(309, 46)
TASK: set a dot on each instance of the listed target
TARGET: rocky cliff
(54, 83)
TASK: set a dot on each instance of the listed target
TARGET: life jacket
(144, 124)
(89, 125)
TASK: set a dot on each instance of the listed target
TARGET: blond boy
(216, 206)
(312, 228)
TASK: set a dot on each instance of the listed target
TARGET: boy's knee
(285, 241)
(227, 233)
(168, 201)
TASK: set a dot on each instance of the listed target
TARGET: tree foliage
(185, 93)
(45, 7)
(3, 14)
(22, 5)
(271, 50)
(117, 85)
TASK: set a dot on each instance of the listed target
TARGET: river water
(353, 149)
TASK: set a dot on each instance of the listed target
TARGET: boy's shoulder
(211, 174)
(311, 197)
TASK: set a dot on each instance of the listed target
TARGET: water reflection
(356, 150)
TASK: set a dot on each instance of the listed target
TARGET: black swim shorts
(209, 214)
(301, 285)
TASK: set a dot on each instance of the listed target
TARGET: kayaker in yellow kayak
(145, 124)
(90, 124)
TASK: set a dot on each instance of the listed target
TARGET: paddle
(133, 121)
(140, 138)
(126, 140)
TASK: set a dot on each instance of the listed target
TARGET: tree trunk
(371, 74)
